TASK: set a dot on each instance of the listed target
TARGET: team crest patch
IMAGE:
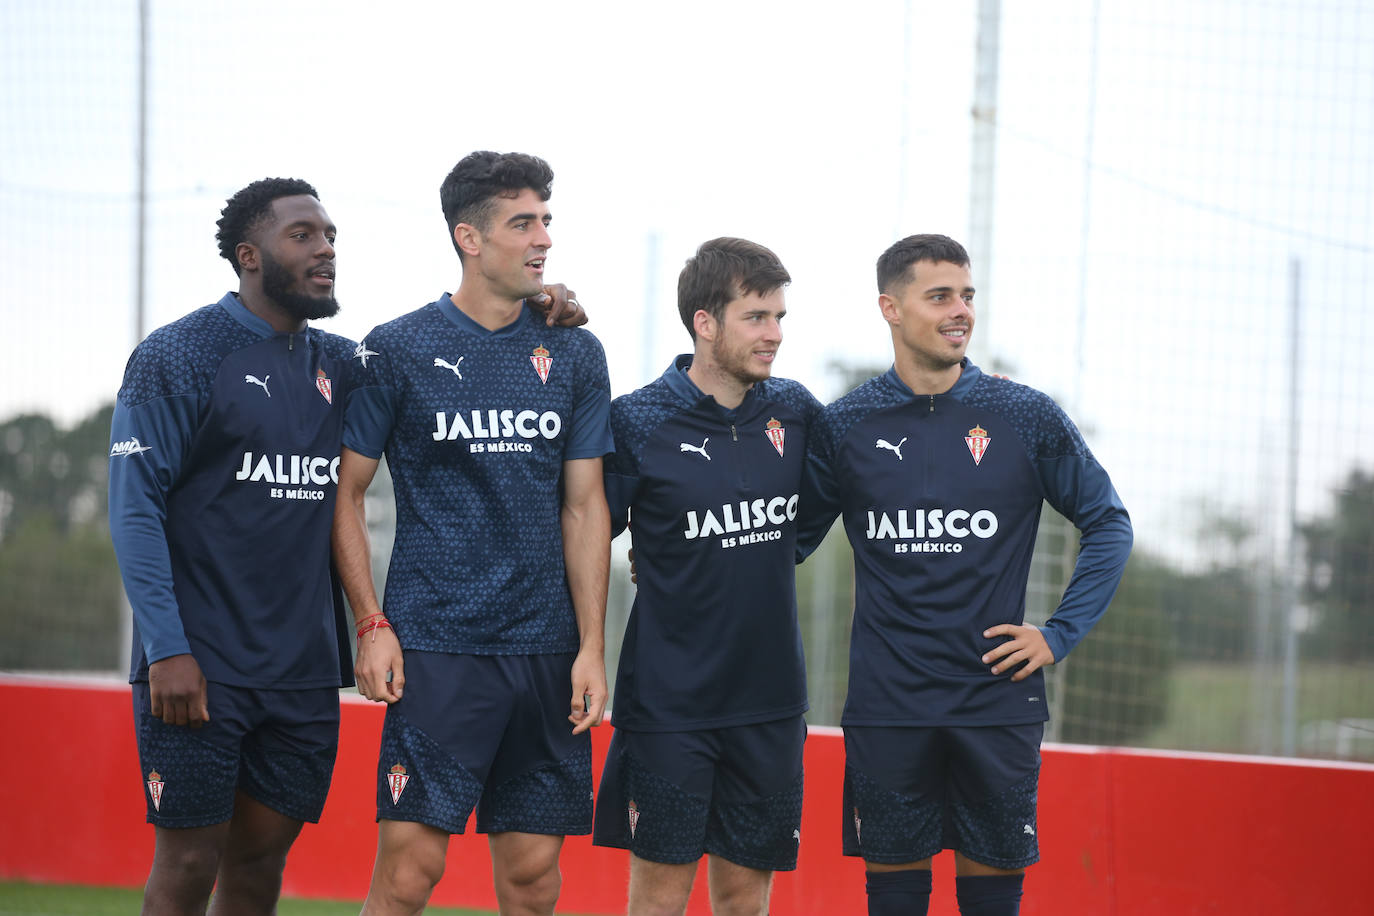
(634, 818)
(325, 386)
(775, 433)
(857, 824)
(396, 781)
(155, 785)
(977, 441)
(542, 363)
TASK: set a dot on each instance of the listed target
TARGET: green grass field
(21, 899)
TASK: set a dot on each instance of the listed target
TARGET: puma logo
(260, 382)
(444, 364)
(894, 449)
(699, 449)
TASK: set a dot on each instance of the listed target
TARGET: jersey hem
(660, 727)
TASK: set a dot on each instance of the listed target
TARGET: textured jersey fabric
(224, 453)
(941, 496)
(476, 425)
(712, 498)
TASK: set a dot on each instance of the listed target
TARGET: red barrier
(1121, 832)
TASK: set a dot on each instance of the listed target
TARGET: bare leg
(410, 861)
(183, 871)
(657, 889)
(250, 869)
(737, 890)
(524, 869)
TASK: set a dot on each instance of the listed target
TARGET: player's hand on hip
(176, 687)
(560, 306)
(589, 694)
(1025, 646)
(379, 668)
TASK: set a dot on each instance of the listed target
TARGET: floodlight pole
(1290, 587)
(983, 155)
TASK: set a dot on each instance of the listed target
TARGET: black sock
(989, 895)
(898, 893)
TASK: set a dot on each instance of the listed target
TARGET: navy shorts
(911, 792)
(733, 792)
(277, 746)
(491, 732)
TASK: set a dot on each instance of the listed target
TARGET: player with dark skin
(286, 276)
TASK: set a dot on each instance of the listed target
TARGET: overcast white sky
(1182, 151)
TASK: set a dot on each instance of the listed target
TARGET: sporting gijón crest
(325, 386)
(634, 818)
(542, 363)
(775, 432)
(396, 781)
(155, 785)
(977, 441)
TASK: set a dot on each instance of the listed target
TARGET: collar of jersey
(456, 315)
(967, 377)
(681, 385)
(232, 304)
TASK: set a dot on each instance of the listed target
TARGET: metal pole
(1290, 585)
(649, 368)
(141, 259)
(983, 158)
(1085, 224)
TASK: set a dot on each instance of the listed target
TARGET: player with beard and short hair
(940, 472)
(707, 752)
(223, 461)
(494, 427)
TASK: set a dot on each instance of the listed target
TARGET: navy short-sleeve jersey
(711, 497)
(476, 425)
(941, 497)
(224, 453)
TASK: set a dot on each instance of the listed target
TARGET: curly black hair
(244, 211)
(893, 264)
(469, 192)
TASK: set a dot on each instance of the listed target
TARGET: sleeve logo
(128, 447)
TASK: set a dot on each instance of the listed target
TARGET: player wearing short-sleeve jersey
(494, 426)
(711, 685)
(939, 472)
(223, 467)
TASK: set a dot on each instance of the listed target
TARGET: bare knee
(657, 889)
(737, 890)
(183, 871)
(410, 862)
(525, 872)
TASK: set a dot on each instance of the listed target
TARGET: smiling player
(940, 472)
(707, 752)
(494, 427)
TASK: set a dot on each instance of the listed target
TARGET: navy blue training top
(941, 497)
(476, 426)
(224, 454)
(712, 498)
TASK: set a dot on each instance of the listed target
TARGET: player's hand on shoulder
(176, 688)
(1024, 646)
(560, 306)
(379, 668)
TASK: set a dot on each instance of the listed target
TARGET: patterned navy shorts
(491, 732)
(911, 792)
(277, 746)
(732, 792)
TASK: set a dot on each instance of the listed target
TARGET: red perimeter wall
(1121, 832)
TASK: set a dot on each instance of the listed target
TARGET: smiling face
(931, 315)
(745, 341)
(296, 257)
(509, 254)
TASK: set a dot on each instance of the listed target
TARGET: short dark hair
(469, 192)
(723, 270)
(247, 209)
(893, 265)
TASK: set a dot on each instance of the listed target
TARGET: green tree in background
(59, 585)
(1339, 582)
